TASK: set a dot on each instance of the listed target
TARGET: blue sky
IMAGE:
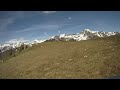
(30, 25)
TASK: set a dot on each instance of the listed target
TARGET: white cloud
(49, 12)
(5, 22)
(17, 40)
(39, 27)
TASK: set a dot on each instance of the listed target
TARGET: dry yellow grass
(98, 58)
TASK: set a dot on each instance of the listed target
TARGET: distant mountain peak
(62, 35)
(83, 35)
(87, 30)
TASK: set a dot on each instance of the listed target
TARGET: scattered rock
(85, 56)
(1, 61)
(70, 59)
(112, 49)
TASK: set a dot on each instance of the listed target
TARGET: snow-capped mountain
(15, 44)
(36, 41)
(84, 35)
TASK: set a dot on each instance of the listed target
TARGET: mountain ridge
(83, 35)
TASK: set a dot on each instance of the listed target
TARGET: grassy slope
(98, 58)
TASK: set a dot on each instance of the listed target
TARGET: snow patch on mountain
(37, 41)
(15, 43)
(88, 30)
(62, 35)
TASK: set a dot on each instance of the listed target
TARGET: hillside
(89, 59)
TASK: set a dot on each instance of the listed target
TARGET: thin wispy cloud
(43, 27)
(39, 27)
(10, 18)
(17, 40)
(48, 12)
(4, 22)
